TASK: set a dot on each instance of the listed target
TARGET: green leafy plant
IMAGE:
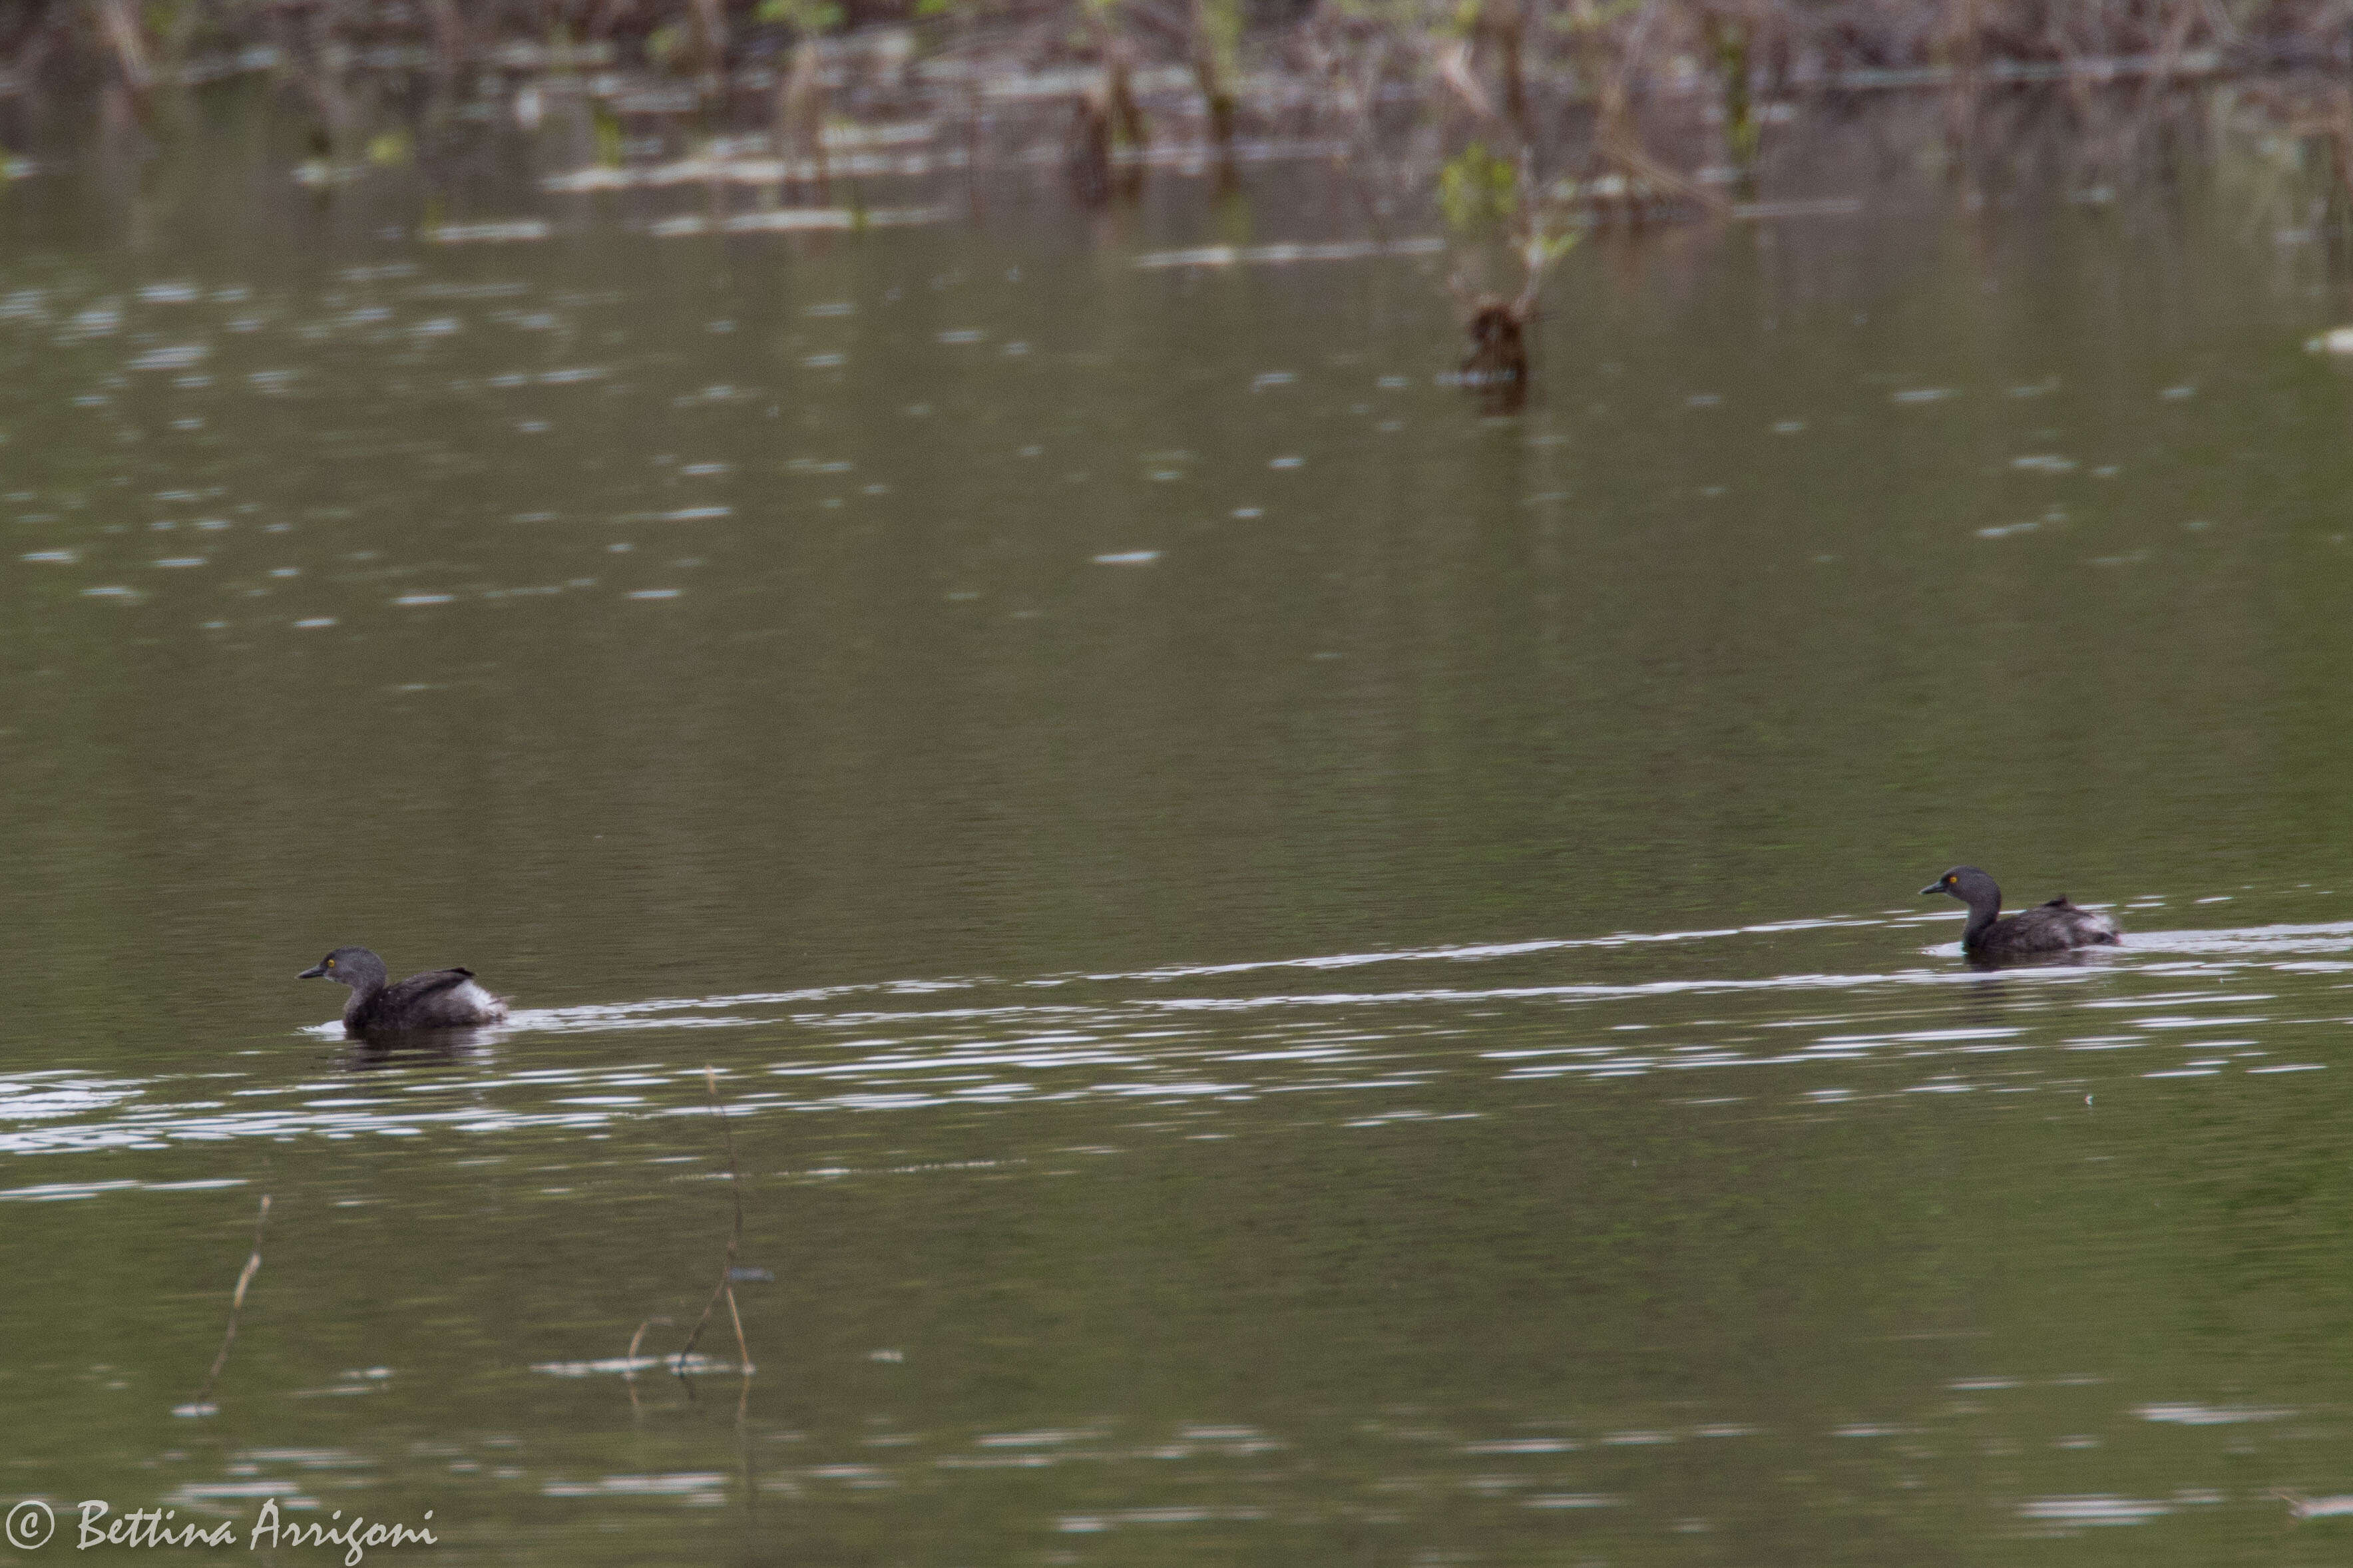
(1591, 15)
(609, 140)
(1477, 188)
(803, 16)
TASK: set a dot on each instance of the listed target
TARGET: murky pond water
(1296, 975)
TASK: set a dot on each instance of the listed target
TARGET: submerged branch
(727, 1286)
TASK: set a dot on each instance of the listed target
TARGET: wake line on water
(807, 1005)
(2333, 936)
(597, 1019)
(910, 1045)
(1470, 952)
(625, 1014)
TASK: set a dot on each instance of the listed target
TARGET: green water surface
(1299, 975)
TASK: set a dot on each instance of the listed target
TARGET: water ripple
(1209, 1034)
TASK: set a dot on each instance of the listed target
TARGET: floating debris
(2209, 1415)
(795, 220)
(2302, 1507)
(700, 1485)
(1283, 255)
(754, 172)
(505, 232)
(1112, 1519)
(635, 1364)
(1822, 206)
(1575, 1500)
(2093, 1509)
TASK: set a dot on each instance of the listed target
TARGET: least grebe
(438, 999)
(2054, 927)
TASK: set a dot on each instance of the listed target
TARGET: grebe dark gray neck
(1978, 890)
(356, 967)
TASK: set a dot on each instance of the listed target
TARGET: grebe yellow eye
(1949, 881)
(331, 962)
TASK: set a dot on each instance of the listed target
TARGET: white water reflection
(1205, 1036)
(1224, 1472)
(2209, 1415)
(2093, 1509)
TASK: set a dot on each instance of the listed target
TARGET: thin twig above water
(727, 1286)
(200, 1403)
